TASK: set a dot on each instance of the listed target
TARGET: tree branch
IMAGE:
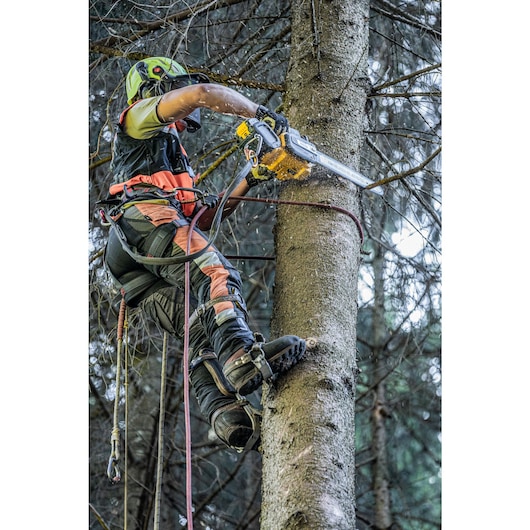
(404, 174)
(406, 77)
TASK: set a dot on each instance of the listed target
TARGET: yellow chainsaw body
(284, 164)
(280, 161)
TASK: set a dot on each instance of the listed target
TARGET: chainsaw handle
(278, 122)
(269, 137)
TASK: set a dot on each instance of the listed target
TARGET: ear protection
(160, 81)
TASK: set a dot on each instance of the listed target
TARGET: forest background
(50, 422)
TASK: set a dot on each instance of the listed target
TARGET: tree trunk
(308, 430)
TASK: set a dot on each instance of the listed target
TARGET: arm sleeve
(142, 121)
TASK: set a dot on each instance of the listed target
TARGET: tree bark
(308, 434)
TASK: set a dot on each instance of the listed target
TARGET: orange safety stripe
(216, 272)
(167, 181)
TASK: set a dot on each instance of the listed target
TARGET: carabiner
(113, 467)
(103, 217)
(251, 154)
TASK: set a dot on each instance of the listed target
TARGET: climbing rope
(113, 470)
(161, 419)
(185, 362)
(185, 356)
(126, 417)
(321, 205)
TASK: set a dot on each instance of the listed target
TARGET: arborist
(154, 199)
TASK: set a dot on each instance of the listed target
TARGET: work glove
(210, 201)
(258, 175)
(278, 122)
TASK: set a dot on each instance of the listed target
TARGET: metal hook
(251, 154)
(113, 467)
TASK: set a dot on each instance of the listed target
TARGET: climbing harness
(216, 223)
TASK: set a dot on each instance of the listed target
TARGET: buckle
(258, 359)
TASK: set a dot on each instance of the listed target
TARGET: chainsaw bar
(289, 156)
(304, 149)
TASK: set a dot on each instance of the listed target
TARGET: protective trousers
(221, 328)
(231, 417)
(214, 282)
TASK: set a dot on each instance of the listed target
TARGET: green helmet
(155, 76)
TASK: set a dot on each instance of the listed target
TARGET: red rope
(300, 203)
(121, 318)
(185, 360)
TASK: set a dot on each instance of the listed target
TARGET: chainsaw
(290, 155)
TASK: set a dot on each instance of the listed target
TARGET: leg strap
(255, 417)
(199, 312)
(256, 356)
(209, 358)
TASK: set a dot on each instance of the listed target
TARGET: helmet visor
(193, 121)
(169, 82)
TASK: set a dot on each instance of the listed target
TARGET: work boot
(233, 420)
(235, 427)
(246, 369)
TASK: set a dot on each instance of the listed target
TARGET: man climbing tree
(157, 218)
(372, 104)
